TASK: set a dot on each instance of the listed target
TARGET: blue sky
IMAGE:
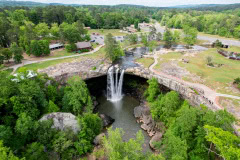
(159, 3)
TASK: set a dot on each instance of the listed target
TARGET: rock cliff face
(84, 69)
(63, 121)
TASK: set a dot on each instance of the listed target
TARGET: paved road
(26, 62)
(161, 29)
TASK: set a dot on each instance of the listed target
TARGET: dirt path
(26, 62)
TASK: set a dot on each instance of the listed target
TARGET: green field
(215, 36)
(233, 49)
(218, 78)
(146, 62)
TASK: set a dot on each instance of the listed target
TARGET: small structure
(130, 29)
(83, 46)
(56, 46)
(88, 28)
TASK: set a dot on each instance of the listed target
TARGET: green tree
(7, 154)
(76, 97)
(185, 123)
(175, 148)
(176, 36)
(17, 52)
(6, 134)
(225, 142)
(62, 145)
(164, 109)
(153, 90)
(55, 31)
(6, 53)
(117, 149)
(30, 99)
(52, 107)
(25, 125)
(42, 30)
(91, 126)
(144, 40)
(190, 35)
(132, 38)
(168, 37)
(112, 48)
(35, 151)
(152, 45)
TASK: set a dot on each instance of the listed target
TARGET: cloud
(159, 3)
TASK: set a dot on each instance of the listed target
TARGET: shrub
(237, 81)
(71, 47)
(209, 61)
(153, 90)
(218, 44)
(94, 68)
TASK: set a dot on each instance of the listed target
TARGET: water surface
(122, 112)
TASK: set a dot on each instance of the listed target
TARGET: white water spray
(114, 86)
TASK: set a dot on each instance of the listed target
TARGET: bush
(218, 44)
(237, 81)
(71, 47)
(91, 126)
(209, 61)
(85, 50)
(153, 90)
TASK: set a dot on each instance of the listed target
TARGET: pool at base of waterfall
(122, 112)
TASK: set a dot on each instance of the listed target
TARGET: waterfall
(114, 84)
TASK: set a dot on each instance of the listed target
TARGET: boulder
(63, 121)
(107, 120)
(98, 139)
(145, 127)
(146, 110)
(138, 112)
(146, 119)
(156, 138)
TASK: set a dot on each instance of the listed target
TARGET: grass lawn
(233, 49)
(146, 62)
(61, 53)
(215, 36)
(168, 57)
(218, 78)
(42, 65)
(114, 32)
(223, 101)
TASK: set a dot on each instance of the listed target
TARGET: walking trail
(26, 62)
(209, 93)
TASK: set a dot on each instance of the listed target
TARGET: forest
(190, 132)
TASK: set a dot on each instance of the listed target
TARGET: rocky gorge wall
(86, 70)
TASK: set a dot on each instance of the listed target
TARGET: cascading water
(114, 86)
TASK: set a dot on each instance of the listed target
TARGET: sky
(156, 3)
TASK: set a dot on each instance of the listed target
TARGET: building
(83, 46)
(88, 28)
(56, 46)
